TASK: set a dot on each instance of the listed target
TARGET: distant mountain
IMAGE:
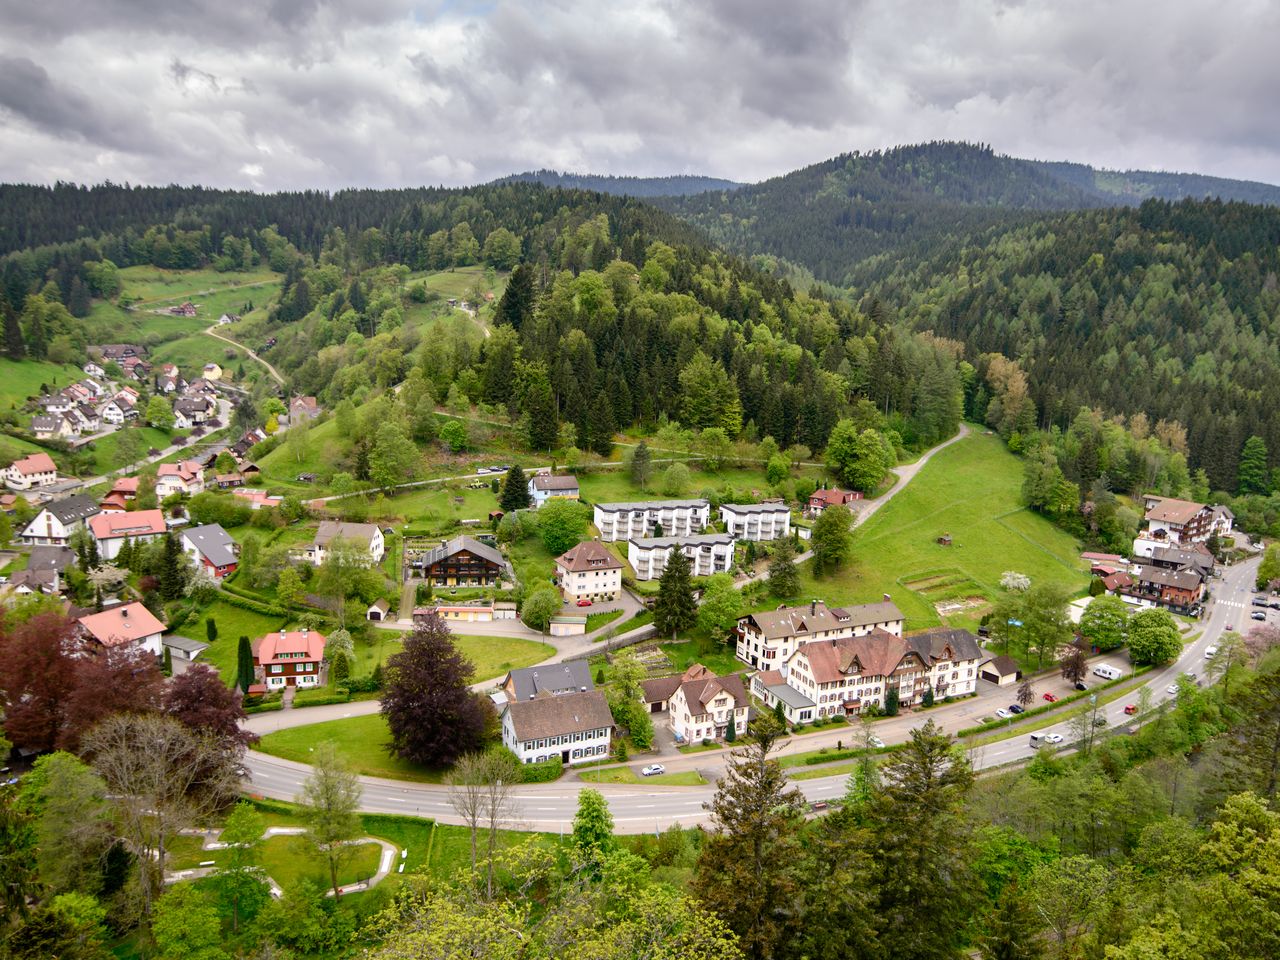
(680, 186)
(1134, 186)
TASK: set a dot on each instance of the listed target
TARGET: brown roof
(664, 687)
(875, 655)
(1003, 665)
(361, 534)
(1169, 510)
(698, 693)
(549, 715)
(1184, 579)
(817, 617)
(833, 496)
(558, 481)
(1117, 580)
(588, 555)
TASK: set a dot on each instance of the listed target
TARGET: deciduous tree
(562, 524)
(832, 541)
(329, 800)
(537, 609)
(1153, 637)
(1105, 622)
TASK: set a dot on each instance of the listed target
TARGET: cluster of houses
(1171, 562)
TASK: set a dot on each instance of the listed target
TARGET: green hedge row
(265, 707)
(1076, 697)
(248, 595)
(542, 772)
(257, 606)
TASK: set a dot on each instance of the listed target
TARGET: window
(277, 668)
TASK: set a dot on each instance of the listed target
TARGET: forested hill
(1134, 186)
(676, 186)
(1169, 309)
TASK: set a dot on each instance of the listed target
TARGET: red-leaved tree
(37, 678)
(204, 703)
(110, 680)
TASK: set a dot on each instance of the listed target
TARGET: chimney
(124, 611)
(582, 689)
(813, 607)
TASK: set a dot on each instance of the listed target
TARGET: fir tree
(675, 609)
(244, 664)
(784, 575)
(601, 425)
(641, 465)
(516, 305)
(172, 577)
(14, 346)
(515, 491)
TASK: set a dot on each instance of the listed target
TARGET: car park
(1210, 651)
(653, 770)
(1016, 708)
(1130, 709)
(1003, 714)
(1051, 698)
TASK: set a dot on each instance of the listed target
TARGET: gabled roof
(126, 623)
(552, 716)
(110, 526)
(1184, 579)
(471, 545)
(1003, 666)
(662, 688)
(1169, 510)
(35, 463)
(877, 654)
(554, 481)
(50, 558)
(361, 534)
(700, 692)
(269, 649)
(817, 617)
(568, 677)
(832, 496)
(935, 642)
(213, 543)
(72, 509)
(588, 555)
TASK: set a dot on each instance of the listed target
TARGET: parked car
(1258, 615)
(1171, 689)
(584, 602)
(1003, 714)
(1081, 685)
(1051, 698)
(1231, 628)
(1016, 708)
(482, 469)
(874, 741)
(653, 770)
(1209, 652)
(818, 806)
(1099, 720)
(1130, 709)
(1261, 602)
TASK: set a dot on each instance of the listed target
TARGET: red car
(1131, 709)
(584, 602)
(1051, 698)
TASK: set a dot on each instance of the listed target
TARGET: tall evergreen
(172, 575)
(244, 664)
(515, 491)
(516, 305)
(675, 609)
(601, 426)
(641, 465)
(1252, 472)
(14, 346)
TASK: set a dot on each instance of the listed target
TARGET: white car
(1171, 689)
(1003, 714)
(1053, 738)
(875, 742)
(1209, 652)
(653, 770)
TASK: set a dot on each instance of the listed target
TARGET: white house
(186, 477)
(589, 572)
(552, 486)
(1184, 521)
(128, 625)
(702, 705)
(768, 638)
(58, 520)
(111, 529)
(366, 538)
(708, 553)
(94, 369)
(757, 521)
(670, 518)
(192, 411)
(36, 470)
(53, 426)
(576, 727)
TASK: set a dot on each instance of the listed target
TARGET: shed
(378, 610)
(184, 648)
(568, 626)
(1001, 671)
(504, 610)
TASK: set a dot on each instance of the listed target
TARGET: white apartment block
(757, 521)
(708, 553)
(673, 518)
(768, 639)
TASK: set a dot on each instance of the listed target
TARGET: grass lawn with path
(20, 379)
(614, 484)
(362, 741)
(290, 859)
(970, 490)
(233, 622)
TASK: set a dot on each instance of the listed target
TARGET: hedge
(1079, 695)
(265, 707)
(262, 606)
(543, 771)
(319, 698)
(257, 606)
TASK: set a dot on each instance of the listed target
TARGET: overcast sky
(281, 94)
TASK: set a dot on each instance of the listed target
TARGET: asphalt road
(641, 808)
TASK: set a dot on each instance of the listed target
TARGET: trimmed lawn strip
(362, 741)
(597, 620)
(684, 778)
(289, 860)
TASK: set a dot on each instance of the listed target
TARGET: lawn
(361, 740)
(291, 859)
(597, 620)
(970, 490)
(451, 846)
(614, 485)
(148, 284)
(685, 778)
(22, 379)
(492, 657)
(459, 282)
(106, 459)
(233, 622)
(192, 352)
(717, 657)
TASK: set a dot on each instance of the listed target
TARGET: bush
(543, 772)
(369, 684)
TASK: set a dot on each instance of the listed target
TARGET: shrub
(544, 771)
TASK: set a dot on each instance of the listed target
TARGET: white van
(1108, 672)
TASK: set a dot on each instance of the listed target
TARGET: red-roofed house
(112, 528)
(130, 624)
(257, 499)
(37, 470)
(289, 658)
(829, 497)
(185, 477)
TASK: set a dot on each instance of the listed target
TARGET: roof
(127, 623)
(1169, 510)
(186, 644)
(653, 505)
(186, 469)
(588, 555)
(380, 604)
(1183, 556)
(1102, 557)
(125, 485)
(72, 509)
(936, 641)
(471, 545)
(192, 405)
(698, 693)
(817, 617)
(566, 677)
(213, 543)
(36, 463)
(877, 654)
(662, 688)
(697, 539)
(1117, 580)
(361, 534)
(112, 525)
(756, 507)
(1004, 666)
(551, 716)
(44, 580)
(50, 558)
(554, 481)
(833, 496)
(789, 695)
(45, 424)
(268, 649)
(1184, 579)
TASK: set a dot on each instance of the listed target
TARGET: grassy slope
(970, 490)
(233, 622)
(21, 379)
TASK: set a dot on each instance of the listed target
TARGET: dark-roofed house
(552, 486)
(953, 656)
(1179, 590)
(572, 676)
(56, 559)
(574, 727)
(1001, 671)
(28, 581)
(212, 548)
(768, 638)
(59, 519)
(1172, 557)
(462, 562)
(703, 706)
(588, 571)
(365, 538)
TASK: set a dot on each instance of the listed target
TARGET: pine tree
(675, 609)
(641, 465)
(1252, 472)
(601, 425)
(784, 575)
(516, 305)
(14, 346)
(244, 664)
(1011, 929)
(173, 569)
(515, 491)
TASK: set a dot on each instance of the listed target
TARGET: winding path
(275, 374)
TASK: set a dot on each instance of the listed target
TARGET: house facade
(708, 553)
(128, 625)
(58, 520)
(576, 727)
(1184, 521)
(289, 658)
(703, 706)
(111, 529)
(53, 426)
(31, 472)
(588, 571)
(192, 411)
(1181, 590)
(829, 497)
(768, 639)
(185, 477)
(212, 548)
(552, 486)
(366, 538)
(674, 518)
(461, 562)
(756, 521)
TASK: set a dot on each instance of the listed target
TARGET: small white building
(674, 518)
(576, 727)
(708, 553)
(185, 477)
(552, 486)
(36, 470)
(366, 538)
(58, 520)
(757, 521)
(590, 572)
(129, 625)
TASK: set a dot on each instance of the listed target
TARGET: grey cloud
(28, 92)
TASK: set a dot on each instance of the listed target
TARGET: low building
(59, 519)
(771, 689)
(364, 538)
(31, 472)
(768, 639)
(184, 648)
(851, 674)
(55, 559)
(212, 372)
(112, 529)
(757, 521)
(129, 625)
(567, 625)
(576, 727)
(552, 486)
(185, 477)
(703, 706)
(461, 562)
(572, 676)
(708, 553)
(212, 548)
(378, 610)
(647, 518)
(474, 611)
(289, 658)
(1002, 671)
(589, 571)
(303, 408)
(257, 499)
(829, 497)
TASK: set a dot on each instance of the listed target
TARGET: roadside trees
(1105, 622)
(1153, 637)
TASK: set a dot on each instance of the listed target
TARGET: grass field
(491, 657)
(970, 490)
(361, 740)
(685, 778)
(105, 457)
(233, 622)
(14, 448)
(614, 485)
(191, 353)
(22, 379)
(157, 285)
(291, 859)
